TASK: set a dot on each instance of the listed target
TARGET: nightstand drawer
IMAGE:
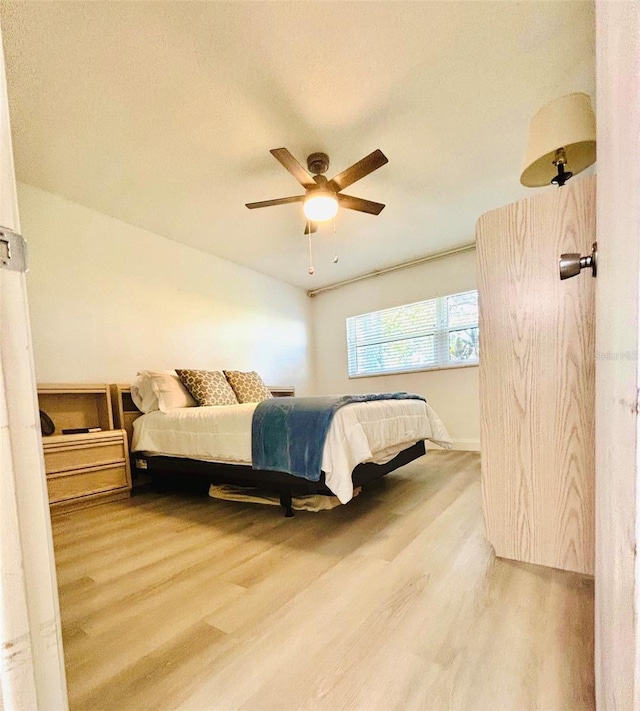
(86, 482)
(87, 451)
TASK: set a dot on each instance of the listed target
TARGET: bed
(365, 441)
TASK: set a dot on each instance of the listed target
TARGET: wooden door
(537, 378)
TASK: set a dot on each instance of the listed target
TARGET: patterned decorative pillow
(208, 387)
(248, 387)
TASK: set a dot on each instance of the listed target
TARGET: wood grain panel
(70, 452)
(87, 482)
(537, 378)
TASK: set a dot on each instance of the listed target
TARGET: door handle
(570, 264)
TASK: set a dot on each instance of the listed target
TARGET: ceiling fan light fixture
(320, 206)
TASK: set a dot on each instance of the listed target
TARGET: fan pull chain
(311, 267)
(335, 243)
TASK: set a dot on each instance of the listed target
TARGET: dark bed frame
(169, 472)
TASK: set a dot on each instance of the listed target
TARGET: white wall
(453, 393)
(108, 299)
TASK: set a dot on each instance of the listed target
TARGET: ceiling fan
(322, 197)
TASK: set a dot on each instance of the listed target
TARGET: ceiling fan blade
(310, 227)
(291, 164)
(355, 203)
(277, 201)
(358, 170)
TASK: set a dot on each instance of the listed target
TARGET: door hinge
(13, 251)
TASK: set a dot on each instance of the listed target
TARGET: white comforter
(360, 432)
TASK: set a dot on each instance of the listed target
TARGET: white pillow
(160, 390)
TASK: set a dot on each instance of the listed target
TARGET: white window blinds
(437, 333)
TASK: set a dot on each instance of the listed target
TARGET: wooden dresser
(88, 468)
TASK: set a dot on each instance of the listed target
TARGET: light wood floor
(394, 601)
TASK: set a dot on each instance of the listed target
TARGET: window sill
(417, 370)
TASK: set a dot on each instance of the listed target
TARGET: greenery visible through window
(437, 333)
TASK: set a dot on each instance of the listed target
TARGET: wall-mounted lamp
(562, 141)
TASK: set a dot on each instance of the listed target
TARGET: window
(438, 333)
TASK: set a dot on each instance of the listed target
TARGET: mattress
(359, 432)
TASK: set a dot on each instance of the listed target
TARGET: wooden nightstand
(124, 410)
(89, 468)
(124, 414)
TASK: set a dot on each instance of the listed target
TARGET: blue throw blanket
(288, 433)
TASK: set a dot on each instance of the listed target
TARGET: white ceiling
(162, 114)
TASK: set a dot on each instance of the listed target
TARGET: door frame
(31, 664)
(617, 376)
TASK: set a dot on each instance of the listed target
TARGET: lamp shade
(568, 123)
